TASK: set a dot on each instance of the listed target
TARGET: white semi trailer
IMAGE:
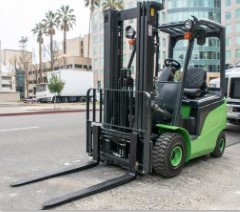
(75, 89)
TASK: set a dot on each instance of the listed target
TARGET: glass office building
(206, 56)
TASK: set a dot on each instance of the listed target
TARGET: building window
(6, 78)
(164, 42)
(95, 51)
(227, 15)
(237, 13)
(238, 40)
(85, 67)
(7, 86)
(227, 3)
(132, 69)
(228, 42)
(237, 27)
(210, 15)
(163, 17)
(164, 55)
(237, 53)
(99, 85)
(228, 28)
(78, 66)
(95, 62)
(95, 39)
(228, 54)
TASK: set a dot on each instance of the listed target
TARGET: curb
(42, 112)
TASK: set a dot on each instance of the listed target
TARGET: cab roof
(177, 29)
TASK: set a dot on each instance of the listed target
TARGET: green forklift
(146, 122)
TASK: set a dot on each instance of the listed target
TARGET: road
(41, 143)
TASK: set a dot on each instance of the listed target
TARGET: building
(7, 83)
(231, 19)
(7, 86)
(18, 63)
(76, 58)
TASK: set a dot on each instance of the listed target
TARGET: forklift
(150, 123)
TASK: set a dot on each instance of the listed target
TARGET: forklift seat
(195, 84)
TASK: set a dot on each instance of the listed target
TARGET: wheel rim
(176, 156)
(221, 145)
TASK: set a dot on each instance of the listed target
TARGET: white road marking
(19, 129)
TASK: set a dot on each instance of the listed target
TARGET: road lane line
(19, 129)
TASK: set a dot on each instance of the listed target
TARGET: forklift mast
(146, 15)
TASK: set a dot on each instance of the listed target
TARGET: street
(35, 144)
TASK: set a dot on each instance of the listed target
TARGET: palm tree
(92, 4)
(65, 19)
(50, 24)
(39, 30)
(112, 4)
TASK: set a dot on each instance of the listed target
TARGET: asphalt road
(41, 143)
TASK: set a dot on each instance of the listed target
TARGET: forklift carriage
(151, 123)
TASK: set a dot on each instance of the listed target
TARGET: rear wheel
(57, 99)
(82, 99)
(168, 155)
(220, 146)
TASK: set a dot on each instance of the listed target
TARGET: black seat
(195, 84)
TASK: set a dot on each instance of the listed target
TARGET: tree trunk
(55, 101)
(26, 82)
(51, 52)
(65, 47)
(89, 26)
(40, 63)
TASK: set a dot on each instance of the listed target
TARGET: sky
(18, 17)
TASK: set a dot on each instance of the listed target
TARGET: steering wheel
(171, 62)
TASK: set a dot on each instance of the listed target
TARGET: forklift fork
(106, 185)
(54, 174)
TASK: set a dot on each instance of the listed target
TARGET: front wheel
(220, 146)
(57, 100)
(168, 155)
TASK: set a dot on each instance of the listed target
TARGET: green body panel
(215, 122)
(185, 111)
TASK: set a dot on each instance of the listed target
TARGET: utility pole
(22, 43)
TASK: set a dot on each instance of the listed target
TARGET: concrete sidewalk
(18, 108)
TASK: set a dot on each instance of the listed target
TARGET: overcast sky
(18, 17)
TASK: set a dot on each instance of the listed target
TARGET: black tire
(162, 155)
(57, 100)
(220, 146)
(83, 99)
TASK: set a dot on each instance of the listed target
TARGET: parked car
(29, 100)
